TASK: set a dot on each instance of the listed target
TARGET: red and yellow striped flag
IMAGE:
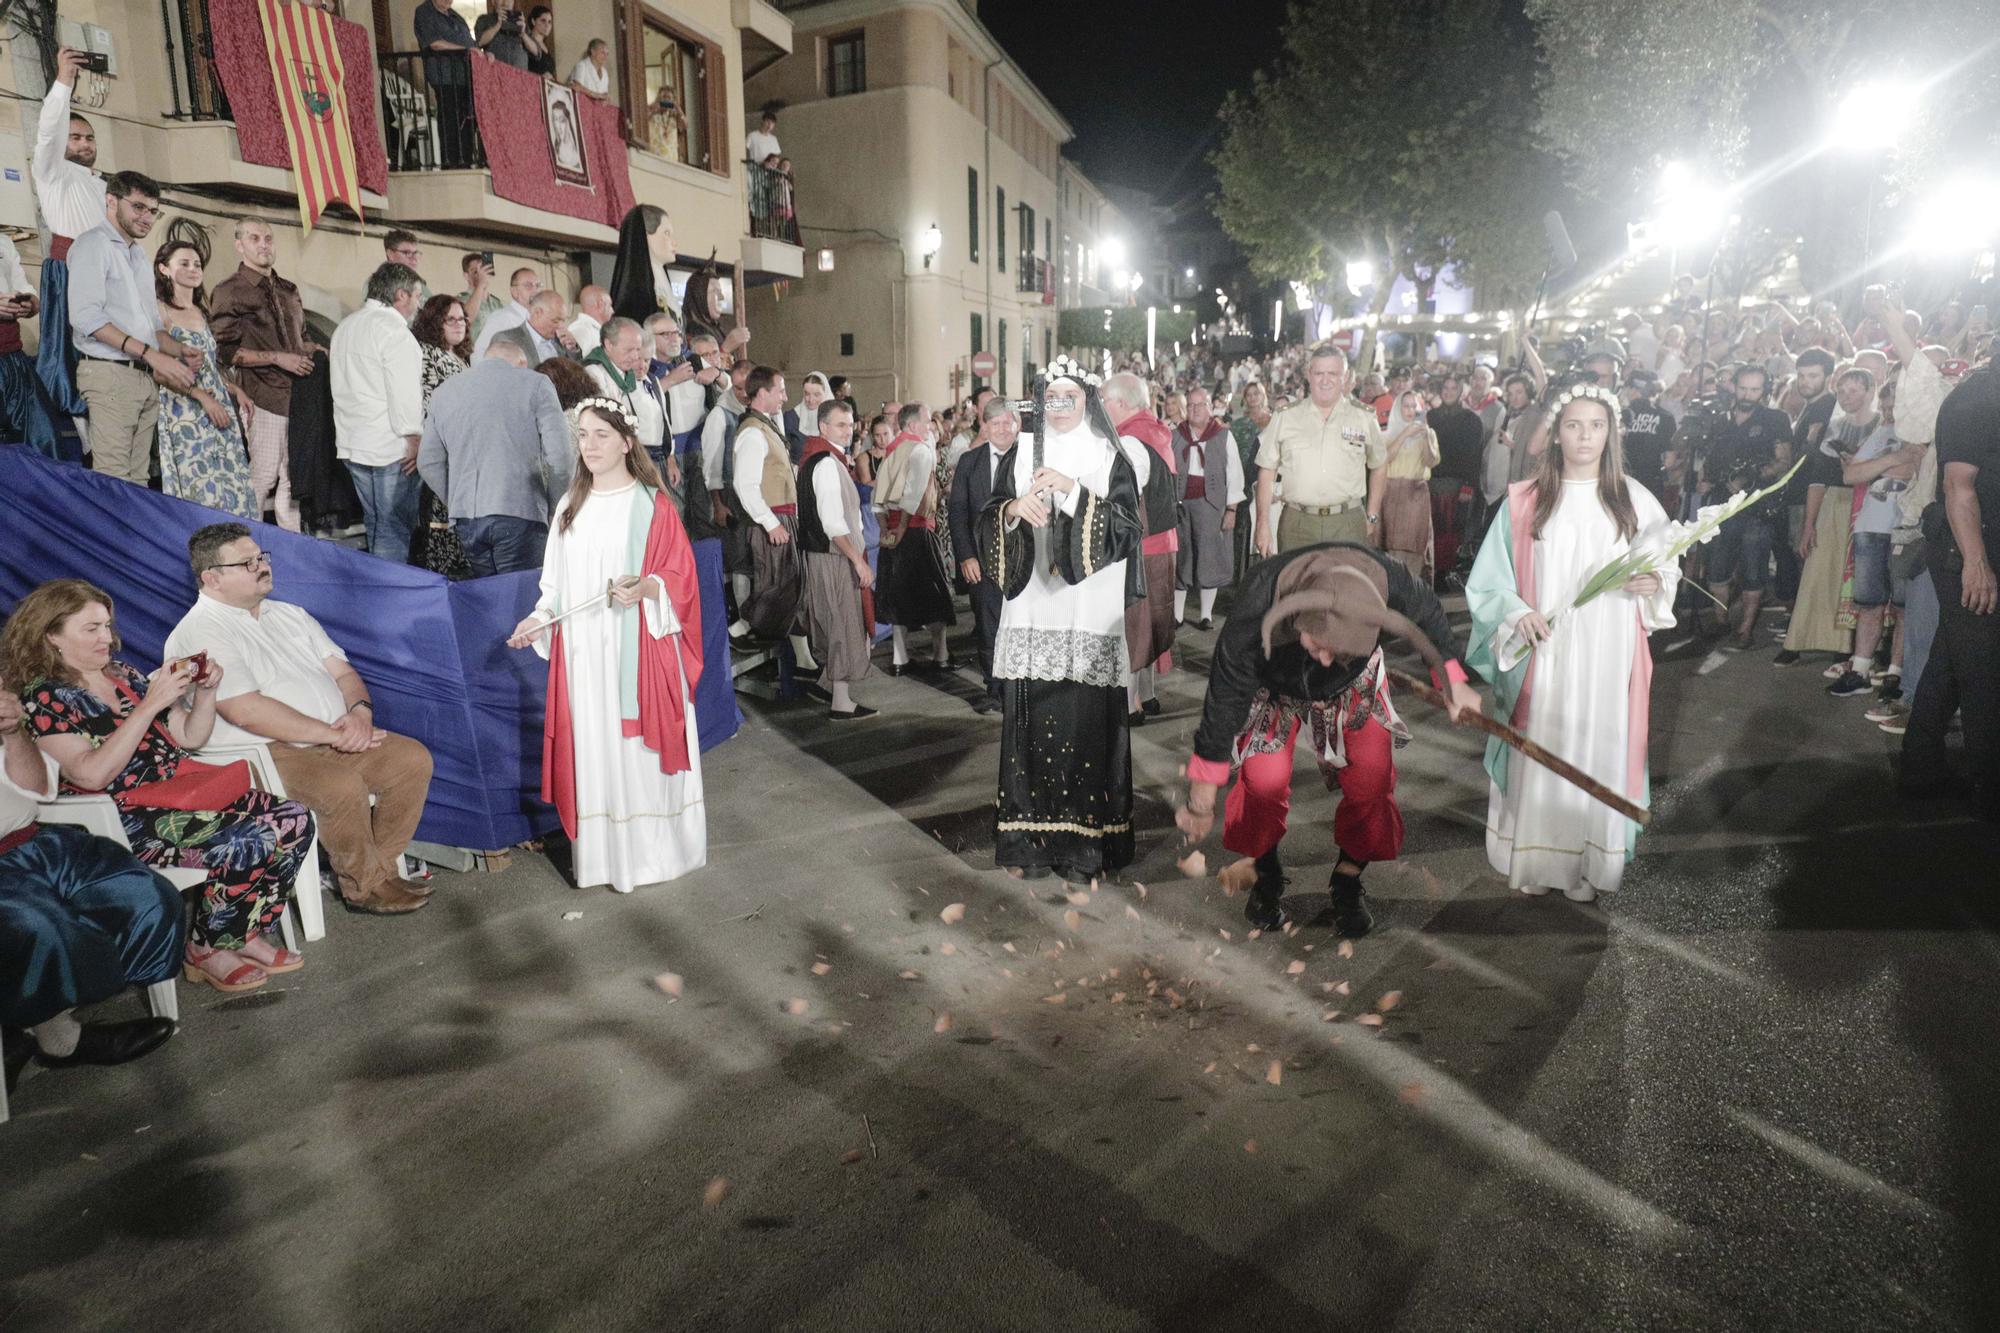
(312, 98)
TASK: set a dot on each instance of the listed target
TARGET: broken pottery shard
(796, 1006)
(1275, 1074)
(1370, 1020)
(670, 982)
(1389, 1001)
(952, 914)
(1195, 866)
(717, 1191)
(1073, 919)
(943, 1023)
(821, 969)
(1294, 967)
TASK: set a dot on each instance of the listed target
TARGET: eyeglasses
(454, 319)
(1063, 400)
(262, 558)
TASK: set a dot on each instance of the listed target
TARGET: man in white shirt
(1209, 475)
(26, 414)
(766, 489)
(592, 74)
(684, 389)
(618, 368)
(761, 144)
(80, 920)
(521, 288)
(378, 407)
(593, 311)
(288, 685)
(71, 195)
(837, 578)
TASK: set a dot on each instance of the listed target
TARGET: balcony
(1037, 276)
(772, 245)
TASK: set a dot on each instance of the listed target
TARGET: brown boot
(391, 899)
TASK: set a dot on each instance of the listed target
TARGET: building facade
(1096, 243)
(931, 163)
(162, 110)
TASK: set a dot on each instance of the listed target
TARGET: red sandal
(242, 977)
(286, 960)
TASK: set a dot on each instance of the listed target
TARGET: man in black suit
(971, 487)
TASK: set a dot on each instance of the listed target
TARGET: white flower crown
(611, 407)
(1586, 389)
(1063, 368)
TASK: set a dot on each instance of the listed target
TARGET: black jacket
(971, 488)
(1239, 668)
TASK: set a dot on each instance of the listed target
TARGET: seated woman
(111, 730)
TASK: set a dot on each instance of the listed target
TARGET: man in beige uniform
(1325, 449)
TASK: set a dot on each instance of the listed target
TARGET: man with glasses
(115, 323)
(259, 322)
(288, 685)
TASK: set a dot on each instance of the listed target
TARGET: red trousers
(1367, 826)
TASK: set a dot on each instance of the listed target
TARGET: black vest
(811, 535)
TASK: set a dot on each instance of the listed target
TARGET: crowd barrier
(432, 651)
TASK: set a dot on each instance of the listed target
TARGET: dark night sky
(1139, 80)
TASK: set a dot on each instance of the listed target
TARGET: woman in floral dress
(440, 328)
(202, 455)
(111, 730)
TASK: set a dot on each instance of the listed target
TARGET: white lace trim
(1060, 654)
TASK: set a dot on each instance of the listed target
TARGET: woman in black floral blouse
(112, 730)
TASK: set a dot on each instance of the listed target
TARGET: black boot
(1350, 905)
(1263, 910)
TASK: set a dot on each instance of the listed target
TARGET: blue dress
(198, 461)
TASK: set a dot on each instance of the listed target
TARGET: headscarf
(635, 286)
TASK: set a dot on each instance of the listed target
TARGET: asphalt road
(1757, 1090)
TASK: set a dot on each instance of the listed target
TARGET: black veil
(634, 286)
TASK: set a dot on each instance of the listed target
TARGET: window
(1000, 346)
(1000, 233)
(846, 64)
(847, 344)
(978, 345)
(972, 214)
(659, 57)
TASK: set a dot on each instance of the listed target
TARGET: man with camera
(1744, 456)
(71, 195)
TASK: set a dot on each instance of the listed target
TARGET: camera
(97, 62)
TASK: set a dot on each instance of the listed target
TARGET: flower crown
(1590, 390)
(611, 407)
(1063, 368)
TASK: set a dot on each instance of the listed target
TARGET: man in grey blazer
(497, 448)
(545, 334)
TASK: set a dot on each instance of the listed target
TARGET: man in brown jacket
(260, 333)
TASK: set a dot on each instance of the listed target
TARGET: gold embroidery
(1089, 532)
(1059, 826)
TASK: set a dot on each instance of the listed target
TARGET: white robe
(634, 824)
(1054, 630)
(1542, 831)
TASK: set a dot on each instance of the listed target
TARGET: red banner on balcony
(549, 147)
(243, 62)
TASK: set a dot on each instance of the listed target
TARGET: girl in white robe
(1576, 680)
(625, 660)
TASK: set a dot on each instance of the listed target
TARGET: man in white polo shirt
(289, 685)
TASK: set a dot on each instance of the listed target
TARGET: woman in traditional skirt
(1061, 537)
(1815, 625)
(1401, 491)
(913, 589)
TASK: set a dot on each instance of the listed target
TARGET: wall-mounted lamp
(932, 243)
(826, 261)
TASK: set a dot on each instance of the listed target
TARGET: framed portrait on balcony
(567, 155)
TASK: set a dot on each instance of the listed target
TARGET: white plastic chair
(307, 888)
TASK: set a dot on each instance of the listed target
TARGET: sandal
(281, 960)
(244, 976)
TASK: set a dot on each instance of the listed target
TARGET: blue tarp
(432, 651)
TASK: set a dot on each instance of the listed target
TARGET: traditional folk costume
(1148, 443)
(72, 202)
(1583, 694)
(1824, 582)
(620, 757)
(1263, 687)
(913, 589)
(839, 612)
(1060, 655)
(1406, 494)
(1208, 473)
(766, 494)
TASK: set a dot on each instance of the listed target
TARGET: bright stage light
(1692, 214)
(1360, 273)
(1874, 115)
(1111, 250)
(1960, 217)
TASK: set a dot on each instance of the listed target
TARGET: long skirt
(835, 619)
(1149, 625)
(1208, 554)
(913, 590)
(252, 850)
(1815, 624)
(1406, 523)
(55, 359)
(1065, 778)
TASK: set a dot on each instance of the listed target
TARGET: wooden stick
(1562, 768)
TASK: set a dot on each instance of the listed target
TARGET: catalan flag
(312, 99)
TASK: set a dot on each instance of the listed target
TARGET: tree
(1747, 89)
(1395, 130)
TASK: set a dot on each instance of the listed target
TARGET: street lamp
(933, 241)
(1360, 273)
(1872, 116)
(1112, 251)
